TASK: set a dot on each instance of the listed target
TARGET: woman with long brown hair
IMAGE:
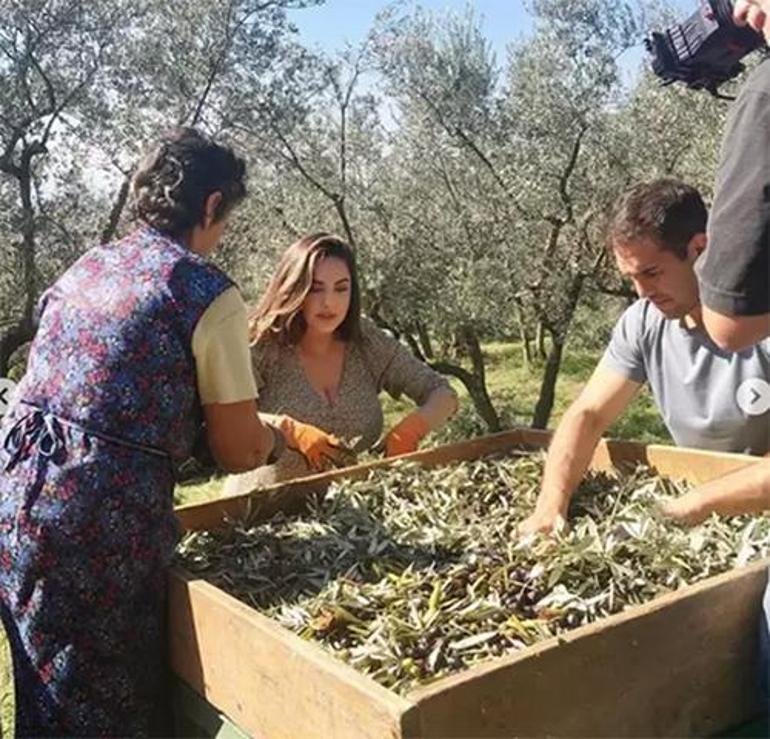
(317, 360)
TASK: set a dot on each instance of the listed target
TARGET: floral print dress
(108, 404)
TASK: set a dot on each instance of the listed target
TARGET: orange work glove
(320, 450)
(406, 435)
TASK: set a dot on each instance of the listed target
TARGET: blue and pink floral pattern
(107, 406)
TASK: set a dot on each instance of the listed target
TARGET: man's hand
(743, 491)
(688, 510)
(755, 14)
(542, 522)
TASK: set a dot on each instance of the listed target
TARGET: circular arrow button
(6, 394)
(753, 396)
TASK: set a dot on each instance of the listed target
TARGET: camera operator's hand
(754, 13)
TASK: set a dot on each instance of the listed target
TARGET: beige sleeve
(220, 345)
(262, 356)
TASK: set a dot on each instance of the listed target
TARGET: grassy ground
(514, 389)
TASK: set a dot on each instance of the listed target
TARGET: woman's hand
(320, 450)
(406, 435)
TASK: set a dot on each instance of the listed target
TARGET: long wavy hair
(279, 313)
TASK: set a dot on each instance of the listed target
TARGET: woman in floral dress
(138, 342)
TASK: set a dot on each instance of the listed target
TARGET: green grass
(514, 389)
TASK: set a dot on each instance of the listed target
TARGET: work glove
(320, 450)
(406, 435)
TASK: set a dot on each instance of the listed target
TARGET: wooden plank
(682, 665)
(268, 681)
(195, 718)
(643, 672)
(694, 465)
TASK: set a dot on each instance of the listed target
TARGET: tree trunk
(13, 338)
(414, 345)
(477, 391)
(526, 346)
(540, 341)
(475, 382)
(547, 396)
(426, 345)
(483, 405)
(544, 406)
(339, 204)
(116, 211)
(23, 330)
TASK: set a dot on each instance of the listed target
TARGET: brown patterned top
(375, 363)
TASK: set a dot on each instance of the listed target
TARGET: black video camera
(705, 50)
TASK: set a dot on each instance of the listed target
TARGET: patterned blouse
(375, 363)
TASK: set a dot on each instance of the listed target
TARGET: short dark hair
(667, 211)
(172, 182)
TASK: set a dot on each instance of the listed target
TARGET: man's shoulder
(645, 328)
(641, 317)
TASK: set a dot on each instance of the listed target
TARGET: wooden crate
(682, 665)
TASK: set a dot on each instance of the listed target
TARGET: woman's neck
(315, 344)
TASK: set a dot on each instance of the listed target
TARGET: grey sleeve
(396, 370)
(625, 354)
(734, 271)
(408, 375)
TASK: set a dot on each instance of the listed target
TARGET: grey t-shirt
(695, 384)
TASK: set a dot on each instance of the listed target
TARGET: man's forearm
(744, 491)
(569, 455)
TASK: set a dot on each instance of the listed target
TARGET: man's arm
(746, 490)
(606, 395)
(734, 272)
(735, 333)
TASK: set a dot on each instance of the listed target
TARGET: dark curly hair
(171, 183)
(667, 211)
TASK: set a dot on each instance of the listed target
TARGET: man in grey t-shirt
(708, 398)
